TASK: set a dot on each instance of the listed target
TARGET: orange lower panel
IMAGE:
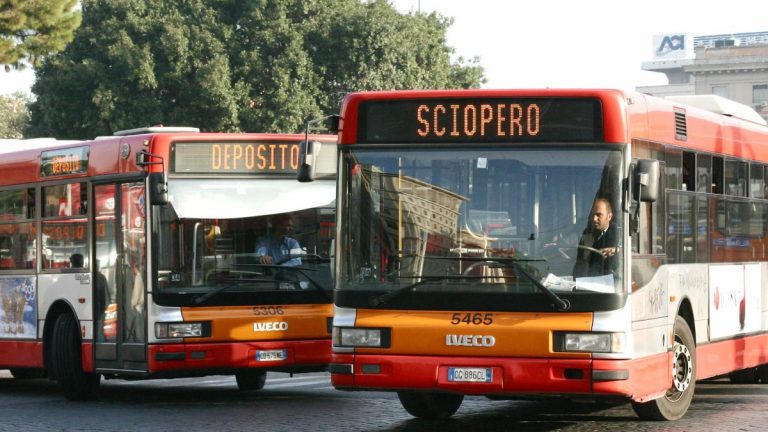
(642, 378)
(170, 357)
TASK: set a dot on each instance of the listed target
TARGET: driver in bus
(599, 243)
(277, 247)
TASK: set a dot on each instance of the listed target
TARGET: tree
(235, 65)
(14, 115)
(32, 30)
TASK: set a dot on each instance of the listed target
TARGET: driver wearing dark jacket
(599, 243)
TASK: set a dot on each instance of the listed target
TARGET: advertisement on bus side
(18, 315)
(734, 299)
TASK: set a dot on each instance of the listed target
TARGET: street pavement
(308, 402)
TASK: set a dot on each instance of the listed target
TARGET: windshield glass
(263, 255)
(481, 220)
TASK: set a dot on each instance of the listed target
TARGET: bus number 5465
(472, 318)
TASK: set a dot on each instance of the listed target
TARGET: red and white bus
(465, 219)
(135, 256)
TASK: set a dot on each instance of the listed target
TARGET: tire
(744, 376)
(762, 373)
(431, 406)
(28, 373)
(66, 361)
(674, 404)
(251, 380)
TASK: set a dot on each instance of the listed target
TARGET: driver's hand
(607, 252)
(265, 259)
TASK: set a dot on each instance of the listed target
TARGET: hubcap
(682, 367)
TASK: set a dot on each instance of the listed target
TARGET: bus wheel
(67, 362)
(744, 376)
(762, 373)
(431, 406)
(251, 380)
(28, 373)
(676, 401)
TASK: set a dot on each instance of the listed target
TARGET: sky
(562, 43)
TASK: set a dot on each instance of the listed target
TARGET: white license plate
(470, 374)
(271, 355)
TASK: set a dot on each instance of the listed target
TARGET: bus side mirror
(647, 180)
(308, 151)
(333, 123)
(158, 189)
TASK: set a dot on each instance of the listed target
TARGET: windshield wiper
(389, 295)
(237, 282)
(317, 285)
(298, 269)
(558, 303)
(207, 296)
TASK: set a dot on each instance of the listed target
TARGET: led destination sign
(64, 161)
(480, 120)
(236, 158)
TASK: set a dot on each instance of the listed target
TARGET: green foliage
(235, 65)
(32, 30)
(14, 115)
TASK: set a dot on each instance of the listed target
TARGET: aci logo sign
(669, 46)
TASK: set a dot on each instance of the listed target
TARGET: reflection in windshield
(281, 252)
(482, 221)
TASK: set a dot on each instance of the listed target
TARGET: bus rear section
(165, 253)
(525, 243)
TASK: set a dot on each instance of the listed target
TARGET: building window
(760, 96)
(720, 90)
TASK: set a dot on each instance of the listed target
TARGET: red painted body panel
(239, 355)
(21, 354)
(649, 377)
(86, 350)
(627, 116)
(725, 356)
(511, 376)
(20, 167)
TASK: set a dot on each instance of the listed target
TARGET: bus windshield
(219, 248)
(464, 220)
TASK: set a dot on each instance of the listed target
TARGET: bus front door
(120, 331)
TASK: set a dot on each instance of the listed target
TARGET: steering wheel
(591, 249)
(553, 251)
(477, 264)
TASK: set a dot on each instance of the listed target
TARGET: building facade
(734, 66)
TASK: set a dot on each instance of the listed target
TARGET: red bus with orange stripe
(138, 256)
(468, 264)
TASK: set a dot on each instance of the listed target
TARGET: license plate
(271, 355)
(470, 374)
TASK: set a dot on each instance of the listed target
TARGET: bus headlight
(176, 330)
(589, 342)
(361, 337)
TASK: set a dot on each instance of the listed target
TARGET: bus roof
(14, 145)
(720, 105)
(156, 129)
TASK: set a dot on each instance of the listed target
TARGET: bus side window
(65, 229)
(689, 171)
(756, 180)
(704, 173)
(674, 169)
(717, 175)
(735, 178)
